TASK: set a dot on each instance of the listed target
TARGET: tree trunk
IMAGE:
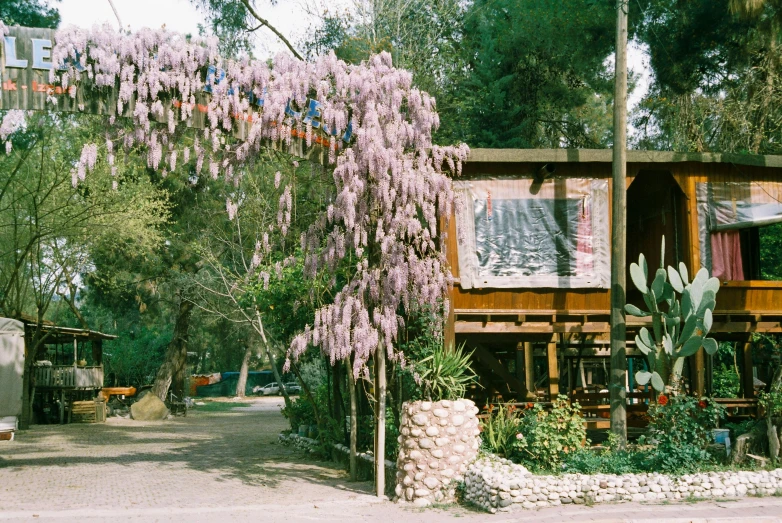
(741, 448)
(269, 355)
(773, 439)
(380, 427)
(242, 383)
(176, 354)
(353, 423)
(338, 413)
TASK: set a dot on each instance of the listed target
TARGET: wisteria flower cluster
(392, 183)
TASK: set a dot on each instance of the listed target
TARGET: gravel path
(228, 466)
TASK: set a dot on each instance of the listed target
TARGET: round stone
(457, 420)
(440, 413)
(426, 406)
(431, 482)
(425, 443)
(420, 419)
(432, 431)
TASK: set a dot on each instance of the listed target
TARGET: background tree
(48, 228)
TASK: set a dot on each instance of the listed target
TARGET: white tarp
(11, 367)
(515, 233)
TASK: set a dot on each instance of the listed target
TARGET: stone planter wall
(437, 442)
(497, 484)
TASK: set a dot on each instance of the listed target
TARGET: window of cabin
(519, 232)
(740, 229)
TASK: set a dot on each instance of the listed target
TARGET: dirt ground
(226, 464)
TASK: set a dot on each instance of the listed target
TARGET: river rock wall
(437, 442)
(497, 484)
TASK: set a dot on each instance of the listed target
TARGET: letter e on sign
(42, 53)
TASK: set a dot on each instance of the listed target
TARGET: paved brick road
(227, 466)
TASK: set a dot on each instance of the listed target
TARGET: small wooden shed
(529, 247)
(67, 370)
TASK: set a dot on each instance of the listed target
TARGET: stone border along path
(497, 484)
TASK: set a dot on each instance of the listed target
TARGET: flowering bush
(545, 437)
(681, 426)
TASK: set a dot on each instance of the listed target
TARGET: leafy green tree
(29, 13)
(532, 70)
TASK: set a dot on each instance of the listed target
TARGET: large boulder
(149, 408)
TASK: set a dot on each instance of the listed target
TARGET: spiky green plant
(446, 373)
(678, 331)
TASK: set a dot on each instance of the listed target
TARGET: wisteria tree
(367, 122)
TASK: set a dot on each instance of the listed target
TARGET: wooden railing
(69, 377)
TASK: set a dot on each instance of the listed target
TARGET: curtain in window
(726, 259)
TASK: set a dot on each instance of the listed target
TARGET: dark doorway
(656, 207)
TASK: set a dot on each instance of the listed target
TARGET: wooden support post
(553, 369)
(521, 395)
(62, 407)
(700, 373)
(747, 374)
(617, 390)
(449, 336)
(380, 427)
(529, 369)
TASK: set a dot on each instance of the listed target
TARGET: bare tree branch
(265, 22)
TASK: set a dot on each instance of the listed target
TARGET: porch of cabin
(532, 343)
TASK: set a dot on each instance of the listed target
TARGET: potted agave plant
(438, 435)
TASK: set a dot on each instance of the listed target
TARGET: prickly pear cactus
(681, 314)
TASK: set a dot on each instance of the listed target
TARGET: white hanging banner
(517, 233)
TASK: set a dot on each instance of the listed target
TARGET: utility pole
(617, 386)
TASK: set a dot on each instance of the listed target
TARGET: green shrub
(681, 426)
(299, 413)
(546, 437)
(587, 461)
(725, 382)
(499, 429)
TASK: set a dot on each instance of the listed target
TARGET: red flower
(702, 404)
(663, 399)
(530, 405)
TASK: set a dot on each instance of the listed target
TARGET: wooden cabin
(67, 372)
(529, 247)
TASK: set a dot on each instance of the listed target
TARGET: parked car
(293, 387)
(267, 390)
(273, 388)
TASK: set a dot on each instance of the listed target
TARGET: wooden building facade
(532, 340)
